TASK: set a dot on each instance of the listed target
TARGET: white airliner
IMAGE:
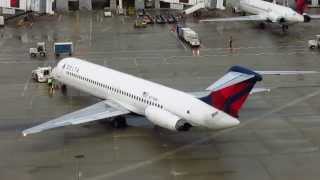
(267, 12)
(169, 108)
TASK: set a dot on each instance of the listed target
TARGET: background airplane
(267, 12)
(122, 94)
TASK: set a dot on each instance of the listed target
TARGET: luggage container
(63, 48)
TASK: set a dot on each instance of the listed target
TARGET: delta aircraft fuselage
(138, 95)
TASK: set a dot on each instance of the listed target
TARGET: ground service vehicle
(160, 20)
(188, 35)
(314, 43)
(39, 50)
(42, 74)
(140, 23)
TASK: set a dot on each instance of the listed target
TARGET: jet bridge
(191, 6)
(40, 6)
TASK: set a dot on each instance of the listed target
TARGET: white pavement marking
(135, 62)
(122, 20)
(25, 88)
(185, 147)
(31, 101)
(165, 60)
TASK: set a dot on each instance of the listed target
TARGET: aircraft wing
(286, 72)
(239, 18)
(98, 111)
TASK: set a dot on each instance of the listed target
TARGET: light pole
(78, 157)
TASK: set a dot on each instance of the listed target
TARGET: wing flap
(101, 110)
(314, 16)
(240, 18)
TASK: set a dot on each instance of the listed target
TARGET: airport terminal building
(121, 6)
(141, 4)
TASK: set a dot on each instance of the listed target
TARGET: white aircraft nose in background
(267, 12)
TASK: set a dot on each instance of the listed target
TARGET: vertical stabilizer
(231, 91)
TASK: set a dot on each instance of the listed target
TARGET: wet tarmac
(278, 137)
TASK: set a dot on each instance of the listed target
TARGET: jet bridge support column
(157, 4)
(120, 7)
(315, 3)
(113, 5)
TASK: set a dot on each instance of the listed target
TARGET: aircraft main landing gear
(119, 122)
(285, 28)
(262, 25)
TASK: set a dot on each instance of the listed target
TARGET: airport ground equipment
(39, 50)
(148, 19)
(314, 43)
(63, 48)
(159, 19)
(139, 23)
(188, 35)
(42, 74)
(107, 14)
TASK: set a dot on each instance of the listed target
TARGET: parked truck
(39, 50)
(188, 35)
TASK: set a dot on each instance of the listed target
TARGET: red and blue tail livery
(231, 91)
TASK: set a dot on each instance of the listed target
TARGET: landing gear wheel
(285, 28)
(234, 11)
(64, 89)
(42, 54)
(36, 78)
(262, 25)
(119, 122)
(196, 14)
